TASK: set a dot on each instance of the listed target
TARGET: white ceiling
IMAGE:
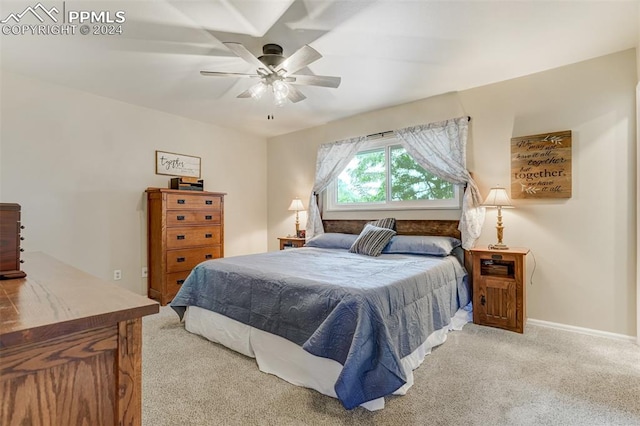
(387, 52)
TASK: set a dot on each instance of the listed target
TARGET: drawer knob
(209, 202)
(21, 249)
(180, 201)
(21, 261)
(208, 217)
(180, 259)
(208, 256)
(208, 235)
(180, 282)
(22, 227)
(180, 237)
(180, 217)
(21, 238)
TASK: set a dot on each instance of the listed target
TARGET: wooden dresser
(70, 348)
(10, 241)
(184, 229)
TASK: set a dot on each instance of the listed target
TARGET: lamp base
(498, 246)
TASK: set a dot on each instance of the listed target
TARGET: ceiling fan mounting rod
(271, 55)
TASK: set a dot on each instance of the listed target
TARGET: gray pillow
(372, 240)
(332, 241)
(422, 244)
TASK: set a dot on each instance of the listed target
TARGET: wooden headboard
(444, 228)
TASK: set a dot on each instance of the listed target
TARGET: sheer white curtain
(331, 161)
(441, 148)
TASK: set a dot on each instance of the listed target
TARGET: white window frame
(331, 194)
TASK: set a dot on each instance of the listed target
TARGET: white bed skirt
(285, 359)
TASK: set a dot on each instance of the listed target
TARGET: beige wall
(638, 198)
(584, 247)
(79, 164)
(638, 183)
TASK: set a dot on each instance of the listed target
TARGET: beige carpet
(480, 376)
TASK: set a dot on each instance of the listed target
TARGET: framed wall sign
(541, 166)
(172, 164)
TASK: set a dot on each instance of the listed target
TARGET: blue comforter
(364, 312)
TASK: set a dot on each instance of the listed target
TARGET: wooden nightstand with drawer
(290, 242)
(499, 290)
(184, 229)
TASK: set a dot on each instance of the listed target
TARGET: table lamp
(296, 205)
(499, 198)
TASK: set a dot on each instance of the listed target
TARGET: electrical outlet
(117, 274)
(145, 272)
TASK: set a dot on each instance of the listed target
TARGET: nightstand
(499, 291)
(290, 242)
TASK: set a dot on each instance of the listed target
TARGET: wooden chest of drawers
(184, 229)
(10, 241)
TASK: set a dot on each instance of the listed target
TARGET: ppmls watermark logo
(58, 20)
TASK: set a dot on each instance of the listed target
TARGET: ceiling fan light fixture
(275, 72)
(280, 92)
(258, 90)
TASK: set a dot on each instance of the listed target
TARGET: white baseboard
(582, 330)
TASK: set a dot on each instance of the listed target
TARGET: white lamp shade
(498, 197)
(296, 205)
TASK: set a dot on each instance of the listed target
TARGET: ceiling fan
(277, 72)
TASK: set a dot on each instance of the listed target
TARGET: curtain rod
(387, 132)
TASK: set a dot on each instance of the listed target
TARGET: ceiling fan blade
(242, 52)
(315, 80)
(256, 91)
(245, 94)
(295, 95)
(300, 59)
(228, 74)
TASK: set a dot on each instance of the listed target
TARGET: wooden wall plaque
(541, 166)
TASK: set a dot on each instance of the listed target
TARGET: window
(385, 177)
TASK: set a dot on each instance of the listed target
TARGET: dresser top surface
(56, 299)
(183, 192)
(9, 206)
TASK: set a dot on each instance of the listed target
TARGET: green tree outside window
(366, 178)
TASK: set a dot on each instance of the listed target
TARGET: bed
(348, 325)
